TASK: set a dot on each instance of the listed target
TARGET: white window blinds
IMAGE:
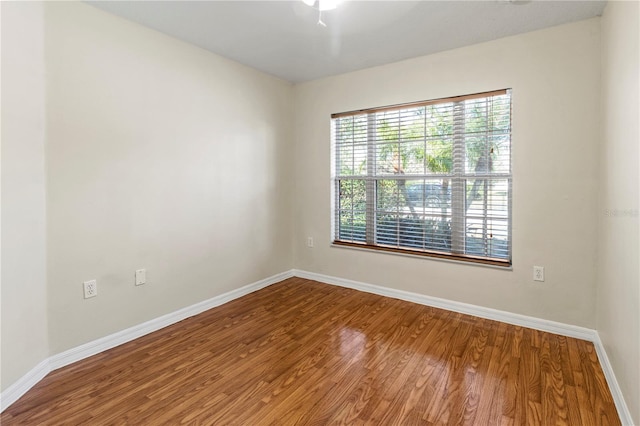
(429, 178)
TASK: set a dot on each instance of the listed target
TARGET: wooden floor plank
(304, 353)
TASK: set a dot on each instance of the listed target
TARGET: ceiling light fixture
(322, 6)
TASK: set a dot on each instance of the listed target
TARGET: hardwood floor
(302, 352)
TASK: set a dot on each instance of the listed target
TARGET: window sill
(502, 265)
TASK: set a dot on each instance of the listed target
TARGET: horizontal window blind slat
(427, 176)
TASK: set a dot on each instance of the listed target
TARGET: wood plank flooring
(302, 352)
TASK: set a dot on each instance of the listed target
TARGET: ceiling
(283, 38)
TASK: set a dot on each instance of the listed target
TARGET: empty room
(315, 212)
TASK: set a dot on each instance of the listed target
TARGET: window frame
(457, 176)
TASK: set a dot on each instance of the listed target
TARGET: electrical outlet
(141, 276)
(310, 242)
(538, 273)
(90, 289)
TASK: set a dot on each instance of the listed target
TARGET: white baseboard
(451, 305)
(497, 315)
(22, 386)
(95, 347)
(19, 388)
(614, 387)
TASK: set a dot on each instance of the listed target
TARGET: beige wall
(618, 306)
(554, 74)
(23, 289)
(163, 156)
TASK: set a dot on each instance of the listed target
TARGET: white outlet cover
(538, 273)
(90, 289)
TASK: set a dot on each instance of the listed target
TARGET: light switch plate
(141, 276)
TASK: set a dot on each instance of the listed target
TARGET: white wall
(554, 75)
(163, 156)
(618, 306)
(24, 290)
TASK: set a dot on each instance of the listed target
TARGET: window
(430, 178)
